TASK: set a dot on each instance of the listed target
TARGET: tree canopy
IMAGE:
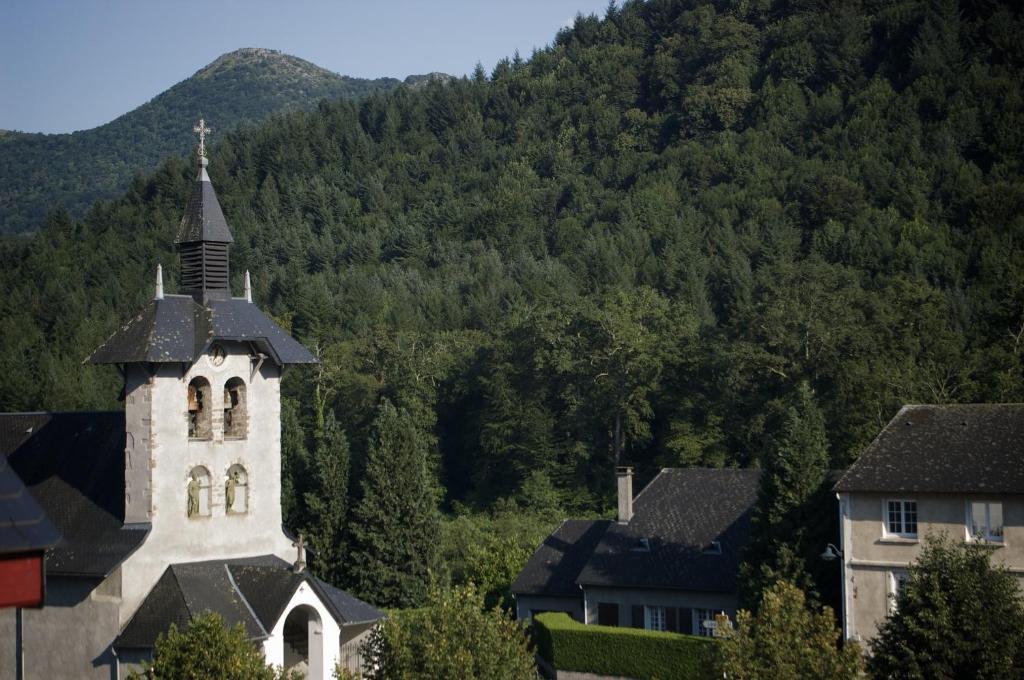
(960, 616)
(208, 649)
(628, 246)
(453, 636)
(787, 641)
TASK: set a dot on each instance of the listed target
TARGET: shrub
(208, 649)
(788, 641)
(632, 652)
(452, 637)
(960, 617)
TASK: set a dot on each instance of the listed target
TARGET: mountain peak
(267, 61)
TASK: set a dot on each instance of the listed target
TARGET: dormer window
(199, 409)
(234, 409)
(641, 545)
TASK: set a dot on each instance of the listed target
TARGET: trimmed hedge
(632, 652)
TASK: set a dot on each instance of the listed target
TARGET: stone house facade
(953, 469)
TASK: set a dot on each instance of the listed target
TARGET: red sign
(21, 580)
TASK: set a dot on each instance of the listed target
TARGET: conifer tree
(327, 502)
(395, 528)
(788, 526)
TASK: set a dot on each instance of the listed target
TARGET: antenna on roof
(159, 283)
(248, 287)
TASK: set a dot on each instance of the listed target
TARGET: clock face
(217, 355)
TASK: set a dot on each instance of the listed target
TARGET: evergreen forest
(685, 233)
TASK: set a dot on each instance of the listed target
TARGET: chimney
(624, 476)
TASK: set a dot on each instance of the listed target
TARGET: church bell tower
(202, 373)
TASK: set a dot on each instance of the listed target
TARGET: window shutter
(685, 620)
(672, 619)
(638, 616)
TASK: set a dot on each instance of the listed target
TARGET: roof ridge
(181, 591)
(245, 600)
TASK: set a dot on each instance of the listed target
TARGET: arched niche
(303, 642)
(236, 490)
(198, 492)
(236, 417)
(199, 409)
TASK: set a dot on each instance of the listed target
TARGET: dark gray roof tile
(178, 329)
(950, 448)
(554, 566)
(253, 591)
(203, 219)
(677, 516)
(73, 464)
(24, 526)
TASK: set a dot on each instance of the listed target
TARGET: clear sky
(74, 64)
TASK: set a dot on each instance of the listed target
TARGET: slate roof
(179, 329)
(679, 514)
(24, 526)
(951, 448)
(252, 591)
(73, 465)
(554, 566)
(203, 219)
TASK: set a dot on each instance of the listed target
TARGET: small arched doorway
(304, 642)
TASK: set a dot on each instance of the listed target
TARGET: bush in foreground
(452, 637)
(787, 641)
(960, 617)
(208, 649)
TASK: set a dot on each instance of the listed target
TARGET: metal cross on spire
(203, 131)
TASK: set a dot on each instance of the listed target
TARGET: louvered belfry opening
(204, 266)
(203, 241)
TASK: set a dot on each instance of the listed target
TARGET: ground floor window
(607, 614)
(704, 622)
(654, 618)
(897, 588)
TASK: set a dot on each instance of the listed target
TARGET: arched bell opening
(235, 409)
(199, 421)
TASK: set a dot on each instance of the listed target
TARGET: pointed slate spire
(203, 237)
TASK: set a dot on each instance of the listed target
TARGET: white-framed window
(704, 622)
(901, 518)
(654, 618)
(897, 588)
(985, 521)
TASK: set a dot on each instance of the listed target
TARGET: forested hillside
(632, 246)
(41, 171)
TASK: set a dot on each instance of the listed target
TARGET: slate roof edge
(535, 551)
(654, 587)
(248, 607)
(137, 526)
(315, 584)
(115, 644)
(120, 329)
(903, 409)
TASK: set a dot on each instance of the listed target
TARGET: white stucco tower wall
(160, 455)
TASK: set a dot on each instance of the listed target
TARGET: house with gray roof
(670, 560)
(171, 507)
(952, 468)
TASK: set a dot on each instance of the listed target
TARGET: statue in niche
(234, 479)
(193, 495)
